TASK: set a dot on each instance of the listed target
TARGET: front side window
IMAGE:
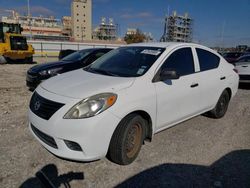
(126, 61)
(207, 59)
(181, 61)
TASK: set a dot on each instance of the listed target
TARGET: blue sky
(210, 16)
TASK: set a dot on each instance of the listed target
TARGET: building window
(83, 6)
(77, 14)
(77, 5)
(84, 20)
(77, 20)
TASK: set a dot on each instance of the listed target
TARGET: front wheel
(29, 60)
(221, 107)
(2, 60)
(127, 140)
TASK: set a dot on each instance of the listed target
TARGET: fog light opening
(73, 145)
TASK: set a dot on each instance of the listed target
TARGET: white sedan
(111, 107)
(243, 68)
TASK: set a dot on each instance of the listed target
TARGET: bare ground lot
(201, 152)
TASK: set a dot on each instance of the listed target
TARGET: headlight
(51, 72)
(91, 106)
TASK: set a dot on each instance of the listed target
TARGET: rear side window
(207, 59)
(181, 60)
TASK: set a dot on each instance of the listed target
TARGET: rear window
(207, 60)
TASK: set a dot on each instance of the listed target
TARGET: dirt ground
(201, 152)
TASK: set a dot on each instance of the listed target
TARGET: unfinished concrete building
(107, 30)
(177, 28)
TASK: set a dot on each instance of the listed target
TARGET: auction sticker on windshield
(151, 52)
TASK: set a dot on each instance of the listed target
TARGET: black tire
(29, 60)
(127, 140)
(3, 60)
(221, 107)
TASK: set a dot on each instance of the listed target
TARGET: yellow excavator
(13, 45)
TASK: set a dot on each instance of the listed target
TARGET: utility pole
(29, 16)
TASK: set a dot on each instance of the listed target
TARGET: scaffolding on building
(106, 30)
(177, 28)
(37, 27)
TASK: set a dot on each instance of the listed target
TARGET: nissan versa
(112, 106)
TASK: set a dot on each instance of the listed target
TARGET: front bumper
(93, 135)
(244, 78)
(32, 81)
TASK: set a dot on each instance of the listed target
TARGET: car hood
(46, 66)
(80, 84)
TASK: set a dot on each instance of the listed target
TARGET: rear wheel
(127, 140)
(221, 107)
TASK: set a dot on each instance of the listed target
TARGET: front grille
(18, 43)
(44, 137)
(42, 107)
(244, 77)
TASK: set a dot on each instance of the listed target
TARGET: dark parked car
(74, 61)
(64, 53)
(232, 57)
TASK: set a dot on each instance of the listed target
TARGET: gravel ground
(201, 152)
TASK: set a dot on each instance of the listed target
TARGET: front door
(180, 98)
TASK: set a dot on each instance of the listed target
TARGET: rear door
(212, 78)
(178, 99)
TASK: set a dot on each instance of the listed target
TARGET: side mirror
(167, 74)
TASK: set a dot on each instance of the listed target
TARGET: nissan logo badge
(37, 105)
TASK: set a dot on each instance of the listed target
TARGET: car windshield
(77, 56)
(126, 61)
(243, 59)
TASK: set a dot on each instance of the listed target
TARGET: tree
(135, 37)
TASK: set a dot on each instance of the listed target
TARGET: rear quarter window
(207, 59)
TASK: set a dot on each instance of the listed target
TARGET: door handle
(223, 78)
(194, 85)
(245, 66)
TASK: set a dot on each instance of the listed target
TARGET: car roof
(165, 44)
